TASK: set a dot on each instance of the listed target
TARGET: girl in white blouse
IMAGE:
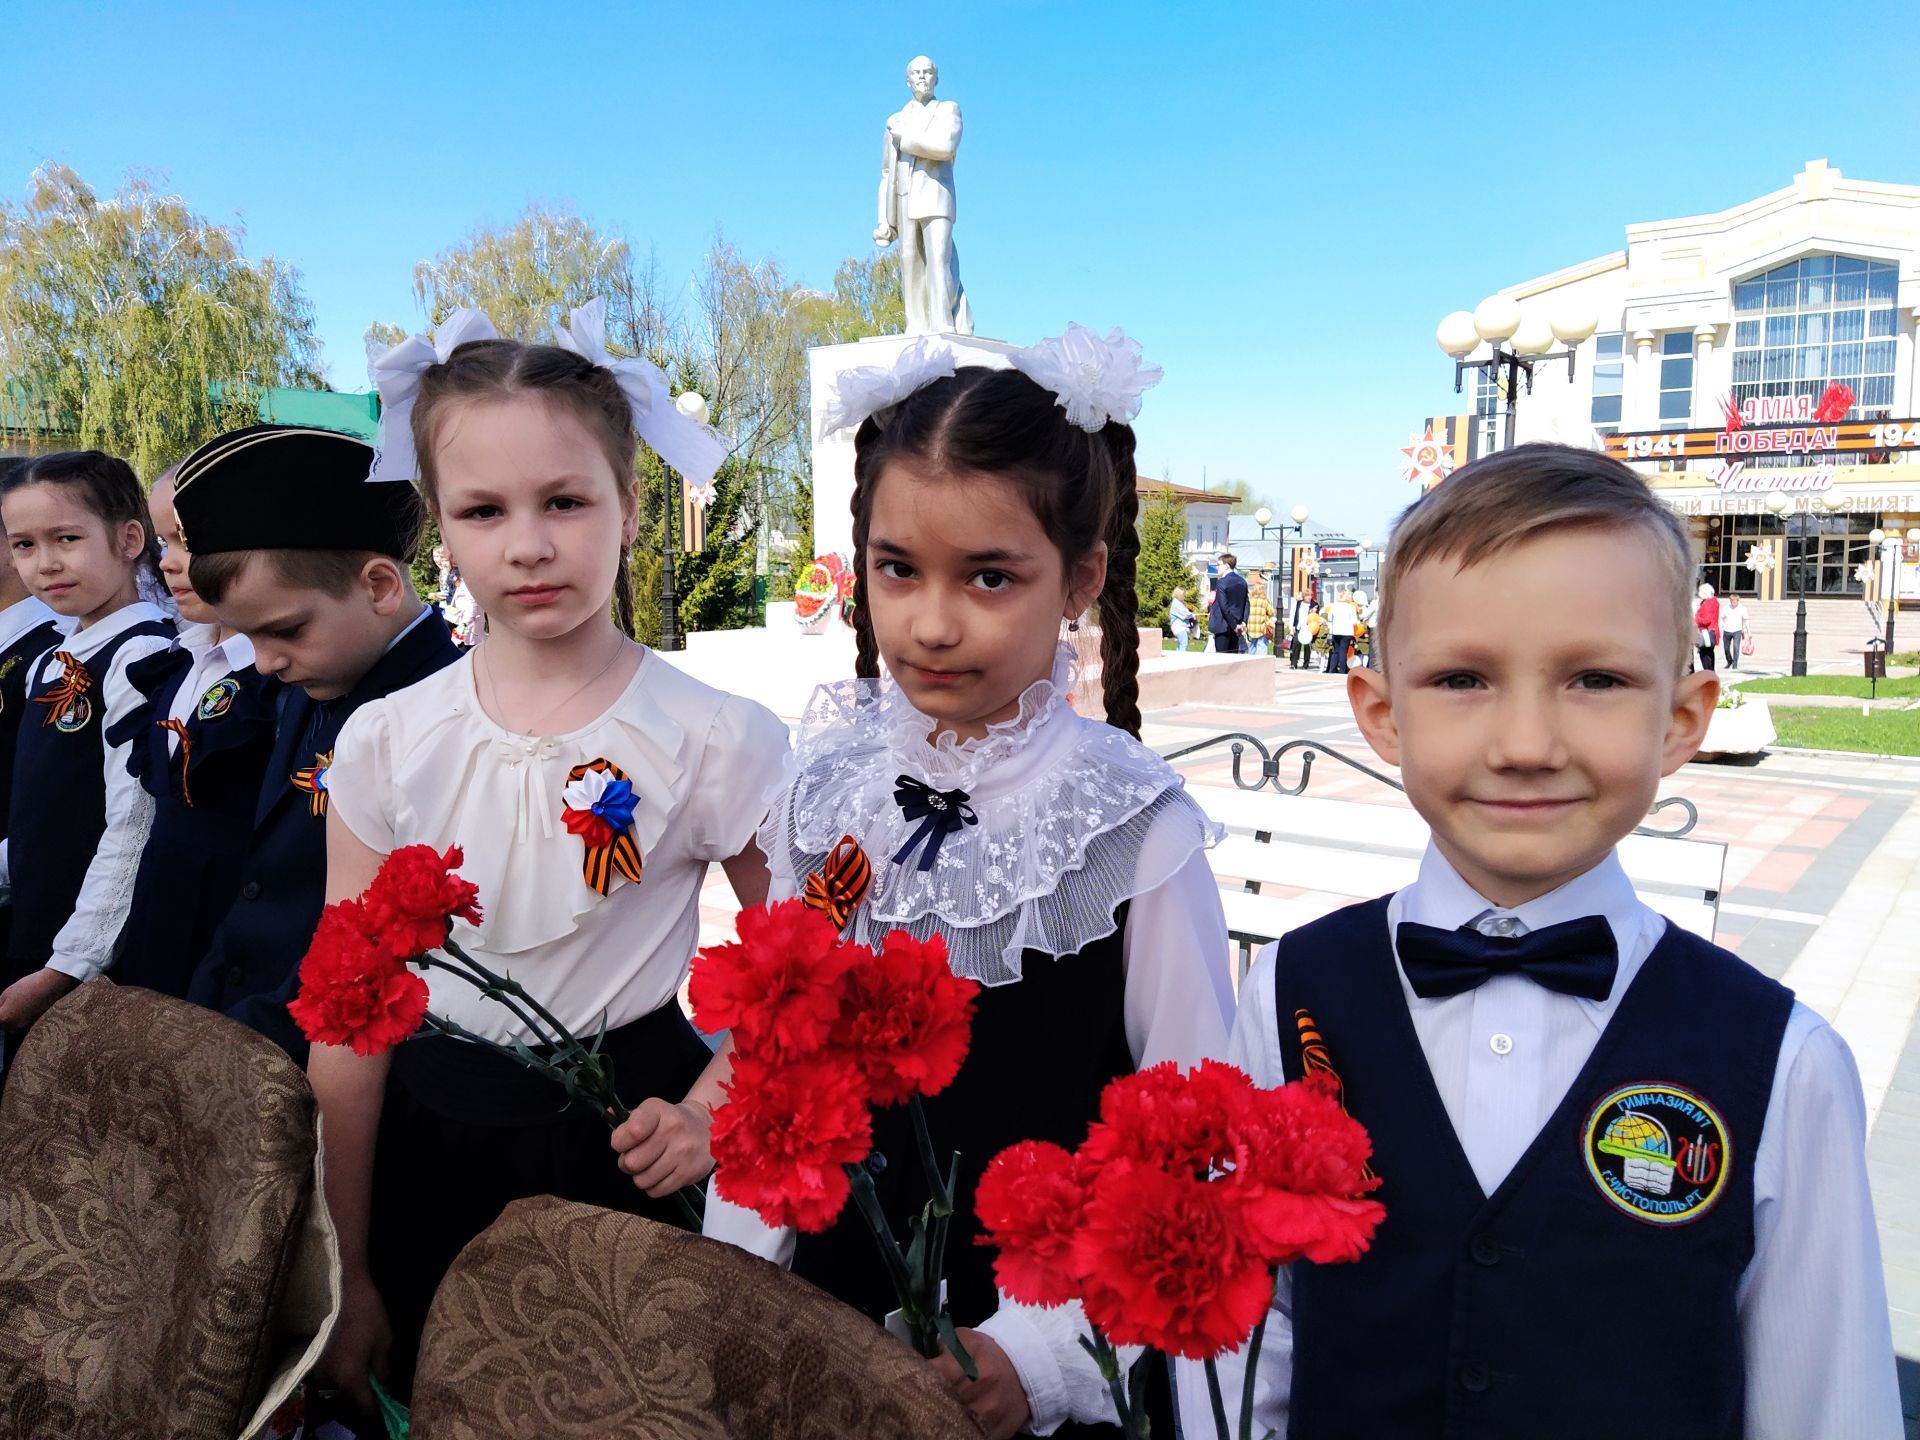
(526, 457)
(1060, 859)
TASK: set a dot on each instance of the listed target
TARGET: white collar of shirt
(82, 643)
(235, 652)
(425, 610)
(21, 616)
(1442, 899)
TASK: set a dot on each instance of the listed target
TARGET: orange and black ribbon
(840, 883)
(311, 781)
(179, 727)
(615, 853)
(73, 683)
(1317, 1059)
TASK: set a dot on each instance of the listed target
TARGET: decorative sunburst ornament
(1428, 461)
(1759, 559)
(1864, 574)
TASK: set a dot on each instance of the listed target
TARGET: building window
(1487, 414)
(1676, 379)
(1813, 322)
(1609, 382)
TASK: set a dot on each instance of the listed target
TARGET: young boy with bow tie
(1624, 1172)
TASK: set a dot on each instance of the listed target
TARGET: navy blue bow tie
(1578, 957)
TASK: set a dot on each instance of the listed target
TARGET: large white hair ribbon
(396, 375)
(694, 449)
(868, 389)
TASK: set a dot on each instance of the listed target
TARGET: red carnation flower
(784, 1133)
(1299, 1175)
(1173, 1122)
(352, 990)
(905, 1018)
(1030, 1202)
(414, 899)
(1163, 1264)
(776, 990)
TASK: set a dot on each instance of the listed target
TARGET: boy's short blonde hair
(1517, 495)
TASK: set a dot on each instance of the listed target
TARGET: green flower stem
(1253, 1365)
(509, 986)
(1219, 1405)
(868, 1200)
(1134, 1424)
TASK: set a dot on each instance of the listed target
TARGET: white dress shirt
(213, 660)
(1812, 1303)
(84, 946)
(1177, 1004)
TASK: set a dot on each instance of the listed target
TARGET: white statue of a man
(916, 205)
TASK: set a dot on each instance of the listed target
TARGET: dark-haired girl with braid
(590, 784)
(1059, 858)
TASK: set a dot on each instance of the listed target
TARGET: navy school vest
(1594, 1293)
(58, 808)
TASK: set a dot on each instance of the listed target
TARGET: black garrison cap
(289, 487)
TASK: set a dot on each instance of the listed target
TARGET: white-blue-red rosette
(597, 805)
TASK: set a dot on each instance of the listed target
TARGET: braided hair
(1080, 485)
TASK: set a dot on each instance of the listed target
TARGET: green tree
(133, 325)
(1161, 568)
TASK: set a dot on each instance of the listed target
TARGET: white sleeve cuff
(1012, 1328)
(78, 967)
(740, 1227)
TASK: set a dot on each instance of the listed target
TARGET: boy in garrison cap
(296, 549)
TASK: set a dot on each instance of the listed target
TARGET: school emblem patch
(1658, 1152)
(219, 698)
(72, 717)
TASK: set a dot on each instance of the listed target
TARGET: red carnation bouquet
(1170, 1222)
(822, 1031)
(360, 983)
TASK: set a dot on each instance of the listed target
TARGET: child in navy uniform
(294, 550)
(199, 746)
(81, 540)
(1624, 1171)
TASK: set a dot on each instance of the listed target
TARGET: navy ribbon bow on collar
(940, 813)
(1578, 957)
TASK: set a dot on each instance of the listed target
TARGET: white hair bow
(694, 449)
(1095, 378)
(396, 375)
(868, 389)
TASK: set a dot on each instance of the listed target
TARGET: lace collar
(1060, 806)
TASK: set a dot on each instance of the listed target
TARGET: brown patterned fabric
(567, 1322)
(155, 1164)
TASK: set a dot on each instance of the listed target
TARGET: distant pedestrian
(1180, 617)
(1343, 621)
(1259, 615)
(1299, 633)
(1706, 619)
(1227, 615)
(1733, 627)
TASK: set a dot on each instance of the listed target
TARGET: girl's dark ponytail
(1119, 603)
(866, 654)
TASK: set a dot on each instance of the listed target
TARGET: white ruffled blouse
(426, 765)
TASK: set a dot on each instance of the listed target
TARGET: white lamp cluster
(1519, 338)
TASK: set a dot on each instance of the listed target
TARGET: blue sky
(1279, 201)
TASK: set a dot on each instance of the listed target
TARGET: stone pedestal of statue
(833, 454)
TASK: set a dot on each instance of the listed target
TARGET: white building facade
(1758, 366)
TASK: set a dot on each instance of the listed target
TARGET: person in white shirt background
(1343, 619)
(1733, 628)
(1602, 1141)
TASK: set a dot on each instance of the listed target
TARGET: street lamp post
(1778, 503)
(1263, 517)
(693, 405)
(1499, 321)
(1886, 544)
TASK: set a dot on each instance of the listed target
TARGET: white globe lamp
(1456, 335)
(1572, 325)
(1299, 514)
(693, 405)
(1496, 318)
(1534, 337)
(1263, 517)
